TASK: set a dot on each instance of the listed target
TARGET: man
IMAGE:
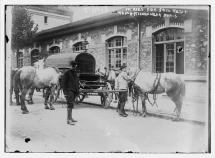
(122, 84)
(70, 85)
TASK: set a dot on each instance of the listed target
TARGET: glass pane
(170, 58)
(119, 41)
(124, 53)
(118, 53)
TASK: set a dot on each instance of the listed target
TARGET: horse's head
(132, 72)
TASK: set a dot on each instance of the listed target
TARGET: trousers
(70, 98)
(122, 100)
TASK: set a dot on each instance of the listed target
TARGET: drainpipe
(138, 44)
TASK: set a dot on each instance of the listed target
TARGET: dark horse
(28, 78)
(151, 83)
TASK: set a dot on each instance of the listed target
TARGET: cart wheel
(80, 97)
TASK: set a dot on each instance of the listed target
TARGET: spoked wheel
(80, 98)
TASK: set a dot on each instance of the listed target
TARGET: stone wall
(97, 42)
(196, 49)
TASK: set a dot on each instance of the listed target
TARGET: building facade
(45, 17)
(156, 40)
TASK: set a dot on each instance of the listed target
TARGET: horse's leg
(178, 103)
(52, 97)
(31, 92)
(11, 95)
(17, 96)
(46, 96)
(23, 106)
(144, 111)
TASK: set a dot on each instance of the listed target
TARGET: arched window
(35, 56)
(169, 50)
(54, 50)
(79, 47)
(20, 58)
(117, 51)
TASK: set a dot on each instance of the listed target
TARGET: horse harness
(153, 91)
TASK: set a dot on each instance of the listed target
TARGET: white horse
(145, 83)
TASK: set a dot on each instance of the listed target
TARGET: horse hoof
(25, 112)
(46, 107)
(52, 108)
(106, 107)
(143, 114)
(176, 119)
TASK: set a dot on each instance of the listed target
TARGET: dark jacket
(70, 81)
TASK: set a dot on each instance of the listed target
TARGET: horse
(12, 89)
(28, 78)
(145, 83)
(40, 64)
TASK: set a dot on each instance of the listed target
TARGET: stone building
(45, 17)
(150, 38)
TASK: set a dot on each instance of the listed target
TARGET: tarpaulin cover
(61, 60)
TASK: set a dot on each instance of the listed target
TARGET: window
(54, 50)
(169, 34)
(34, 56)
(166, 57)
(117, 51)
(45, 19)
(79, 47)
(20, 59)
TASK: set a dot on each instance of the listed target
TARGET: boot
(69, 117)
(121, 113)
(123, 109)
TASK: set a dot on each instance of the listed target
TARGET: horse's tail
(17, 81)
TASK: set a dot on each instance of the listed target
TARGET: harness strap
(153, 91)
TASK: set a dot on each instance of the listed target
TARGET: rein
(153, 91)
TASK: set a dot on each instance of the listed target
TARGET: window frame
(174, 41)
(79, 47)
(116, 47)
(20, 59)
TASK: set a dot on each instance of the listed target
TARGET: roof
(80, 25)
(89, 23)
(61, 60)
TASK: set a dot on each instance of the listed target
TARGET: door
(180, 58)
(86, 63)
(159, 58)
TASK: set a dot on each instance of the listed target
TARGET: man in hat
(122, 84)
(70, 85)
